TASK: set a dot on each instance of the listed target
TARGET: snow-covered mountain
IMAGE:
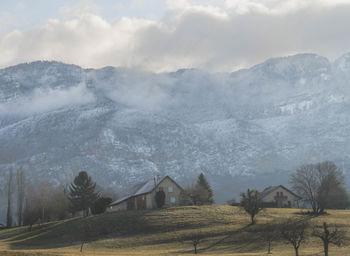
(242, 129)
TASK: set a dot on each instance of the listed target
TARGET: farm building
(144, 194)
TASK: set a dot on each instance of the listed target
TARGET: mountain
(249, 128)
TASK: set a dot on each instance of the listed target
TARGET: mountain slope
(124, 126)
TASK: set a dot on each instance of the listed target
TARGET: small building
(279, 196)
(143, 195)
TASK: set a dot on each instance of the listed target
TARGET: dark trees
(194, 195)
(9, 200)
(321, 185)
(82, 193)
(203, 183)
(45, 202)
(251, 203)
(160, 198)
(294, 231)
(329, 236)
(100, 205)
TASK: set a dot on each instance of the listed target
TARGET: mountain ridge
(125, 125)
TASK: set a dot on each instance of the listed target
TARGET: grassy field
(224, 230)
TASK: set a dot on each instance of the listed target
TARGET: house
(143, 195)
(279, 196)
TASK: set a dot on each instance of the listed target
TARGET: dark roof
(270, 189)
(143, 188)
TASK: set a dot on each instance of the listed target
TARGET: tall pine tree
(82, 193)
(203, 183)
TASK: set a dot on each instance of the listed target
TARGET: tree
(9, 199)
(82, 193)
(88, 233)
(196, 238)
(202, 182)
(100, 205)
(333, 236)
(294, 231)
(160, 198)
(321, 185)
(270, 234)
(331, 193)
(44, 192)
(58, 205)
(251, 203)
(32, 210)
(20, 177)
(45, 202)
(193, 195)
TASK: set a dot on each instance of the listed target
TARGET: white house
(280, 196)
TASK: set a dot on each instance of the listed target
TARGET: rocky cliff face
(124, 126)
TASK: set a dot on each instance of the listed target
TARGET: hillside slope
(222, 229)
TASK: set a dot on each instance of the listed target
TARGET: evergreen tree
(100, 205)
(203, 183)
(160, 198)
(82, 193)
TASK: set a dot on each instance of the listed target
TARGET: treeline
(198, 193)
(45, 201)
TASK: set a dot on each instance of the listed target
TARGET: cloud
(43, 100)
(216, 36)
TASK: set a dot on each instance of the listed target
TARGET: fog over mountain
(248, 128)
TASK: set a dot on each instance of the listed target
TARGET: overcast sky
(215, 35)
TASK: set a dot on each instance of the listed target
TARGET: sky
(164, 36)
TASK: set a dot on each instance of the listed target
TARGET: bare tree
(88, 233)
(46, 202)
(9, 199)
(305, 183)
(251, 203)
(321, 185)
(329, 236)
(294, 231)
(194, 195)
(32, 210)
(270, 234)
(20, 177)
(196, 239)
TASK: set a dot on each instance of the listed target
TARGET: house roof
(270, 189)
(143, 188)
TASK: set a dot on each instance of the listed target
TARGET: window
(170, 189)
(172, 199)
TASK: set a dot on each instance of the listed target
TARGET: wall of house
(118, 207)
(289, 197)
(171, 197)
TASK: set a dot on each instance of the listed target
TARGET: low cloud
(217, 36)
(43, 100)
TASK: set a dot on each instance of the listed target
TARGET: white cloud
(218, 35)
(43, 100)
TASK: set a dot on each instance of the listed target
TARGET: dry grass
(225, 230)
